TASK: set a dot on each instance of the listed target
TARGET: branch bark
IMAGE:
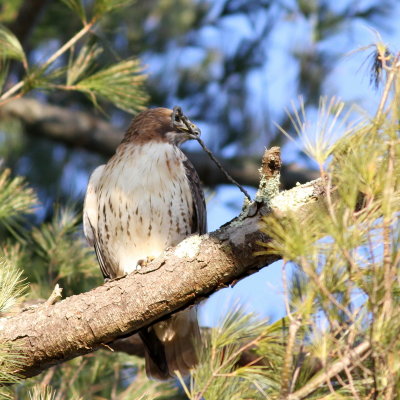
(77, 128)
(51, 334)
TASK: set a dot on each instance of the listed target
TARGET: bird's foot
(143, 263)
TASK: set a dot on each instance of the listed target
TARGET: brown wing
(90, 210)
(199, 221)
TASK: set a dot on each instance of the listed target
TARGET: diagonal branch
(51, 334)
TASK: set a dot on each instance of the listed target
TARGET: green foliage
(51, 253)
(63, 256)
(10, 359)
(12, 286)
(8, 10)
(4, 64)
(80, 66)
(102, 7)
(42, 393)
(78, 8)
(10, 47)
(319, 137)
(106, 375)
(12, 289)
(120, 83)
(345, 291)
(16, 200)
(218, 375)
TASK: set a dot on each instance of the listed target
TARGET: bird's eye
(177, 119)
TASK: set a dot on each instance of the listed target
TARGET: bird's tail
(170, 345)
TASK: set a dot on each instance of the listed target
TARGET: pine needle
(12, 285)
(121, 83)
(80, 66)
(317, 138)
(63, 253)
(10, 47)
(102, 7)
(16, 199)
(78, 8)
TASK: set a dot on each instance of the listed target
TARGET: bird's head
(162, 124)
(184, 129)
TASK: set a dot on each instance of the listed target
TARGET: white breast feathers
(144, 204)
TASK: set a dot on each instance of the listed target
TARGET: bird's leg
(143, 263)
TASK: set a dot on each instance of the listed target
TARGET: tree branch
(78, 128)
(181, 276)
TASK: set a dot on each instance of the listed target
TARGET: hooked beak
(182, 122)
(193, 132)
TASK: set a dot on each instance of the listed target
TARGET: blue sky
(349, 80)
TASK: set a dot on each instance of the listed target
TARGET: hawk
(146, 198)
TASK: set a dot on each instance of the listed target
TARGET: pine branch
(13, 91)
(16, 200)
(186, 274)
(120, 83)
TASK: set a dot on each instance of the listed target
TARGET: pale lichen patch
(293, 199)
(189, 248)
(268, 188)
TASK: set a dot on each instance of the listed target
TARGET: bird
(145, 199)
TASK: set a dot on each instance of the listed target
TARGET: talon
(143, 263)
(140, 264)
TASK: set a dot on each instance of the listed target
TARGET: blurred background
(235, 67)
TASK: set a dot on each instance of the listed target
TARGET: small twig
(107, 347)
(287, 372)
(55, 295)
(230, 179)
(215, 373)
(385, 95)
(116, 381)
(316, 278)
(388, 271)
(337, 367)
(178, 111)
(48, 376)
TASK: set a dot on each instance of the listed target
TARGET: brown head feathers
(161, 125)
(151, 124)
